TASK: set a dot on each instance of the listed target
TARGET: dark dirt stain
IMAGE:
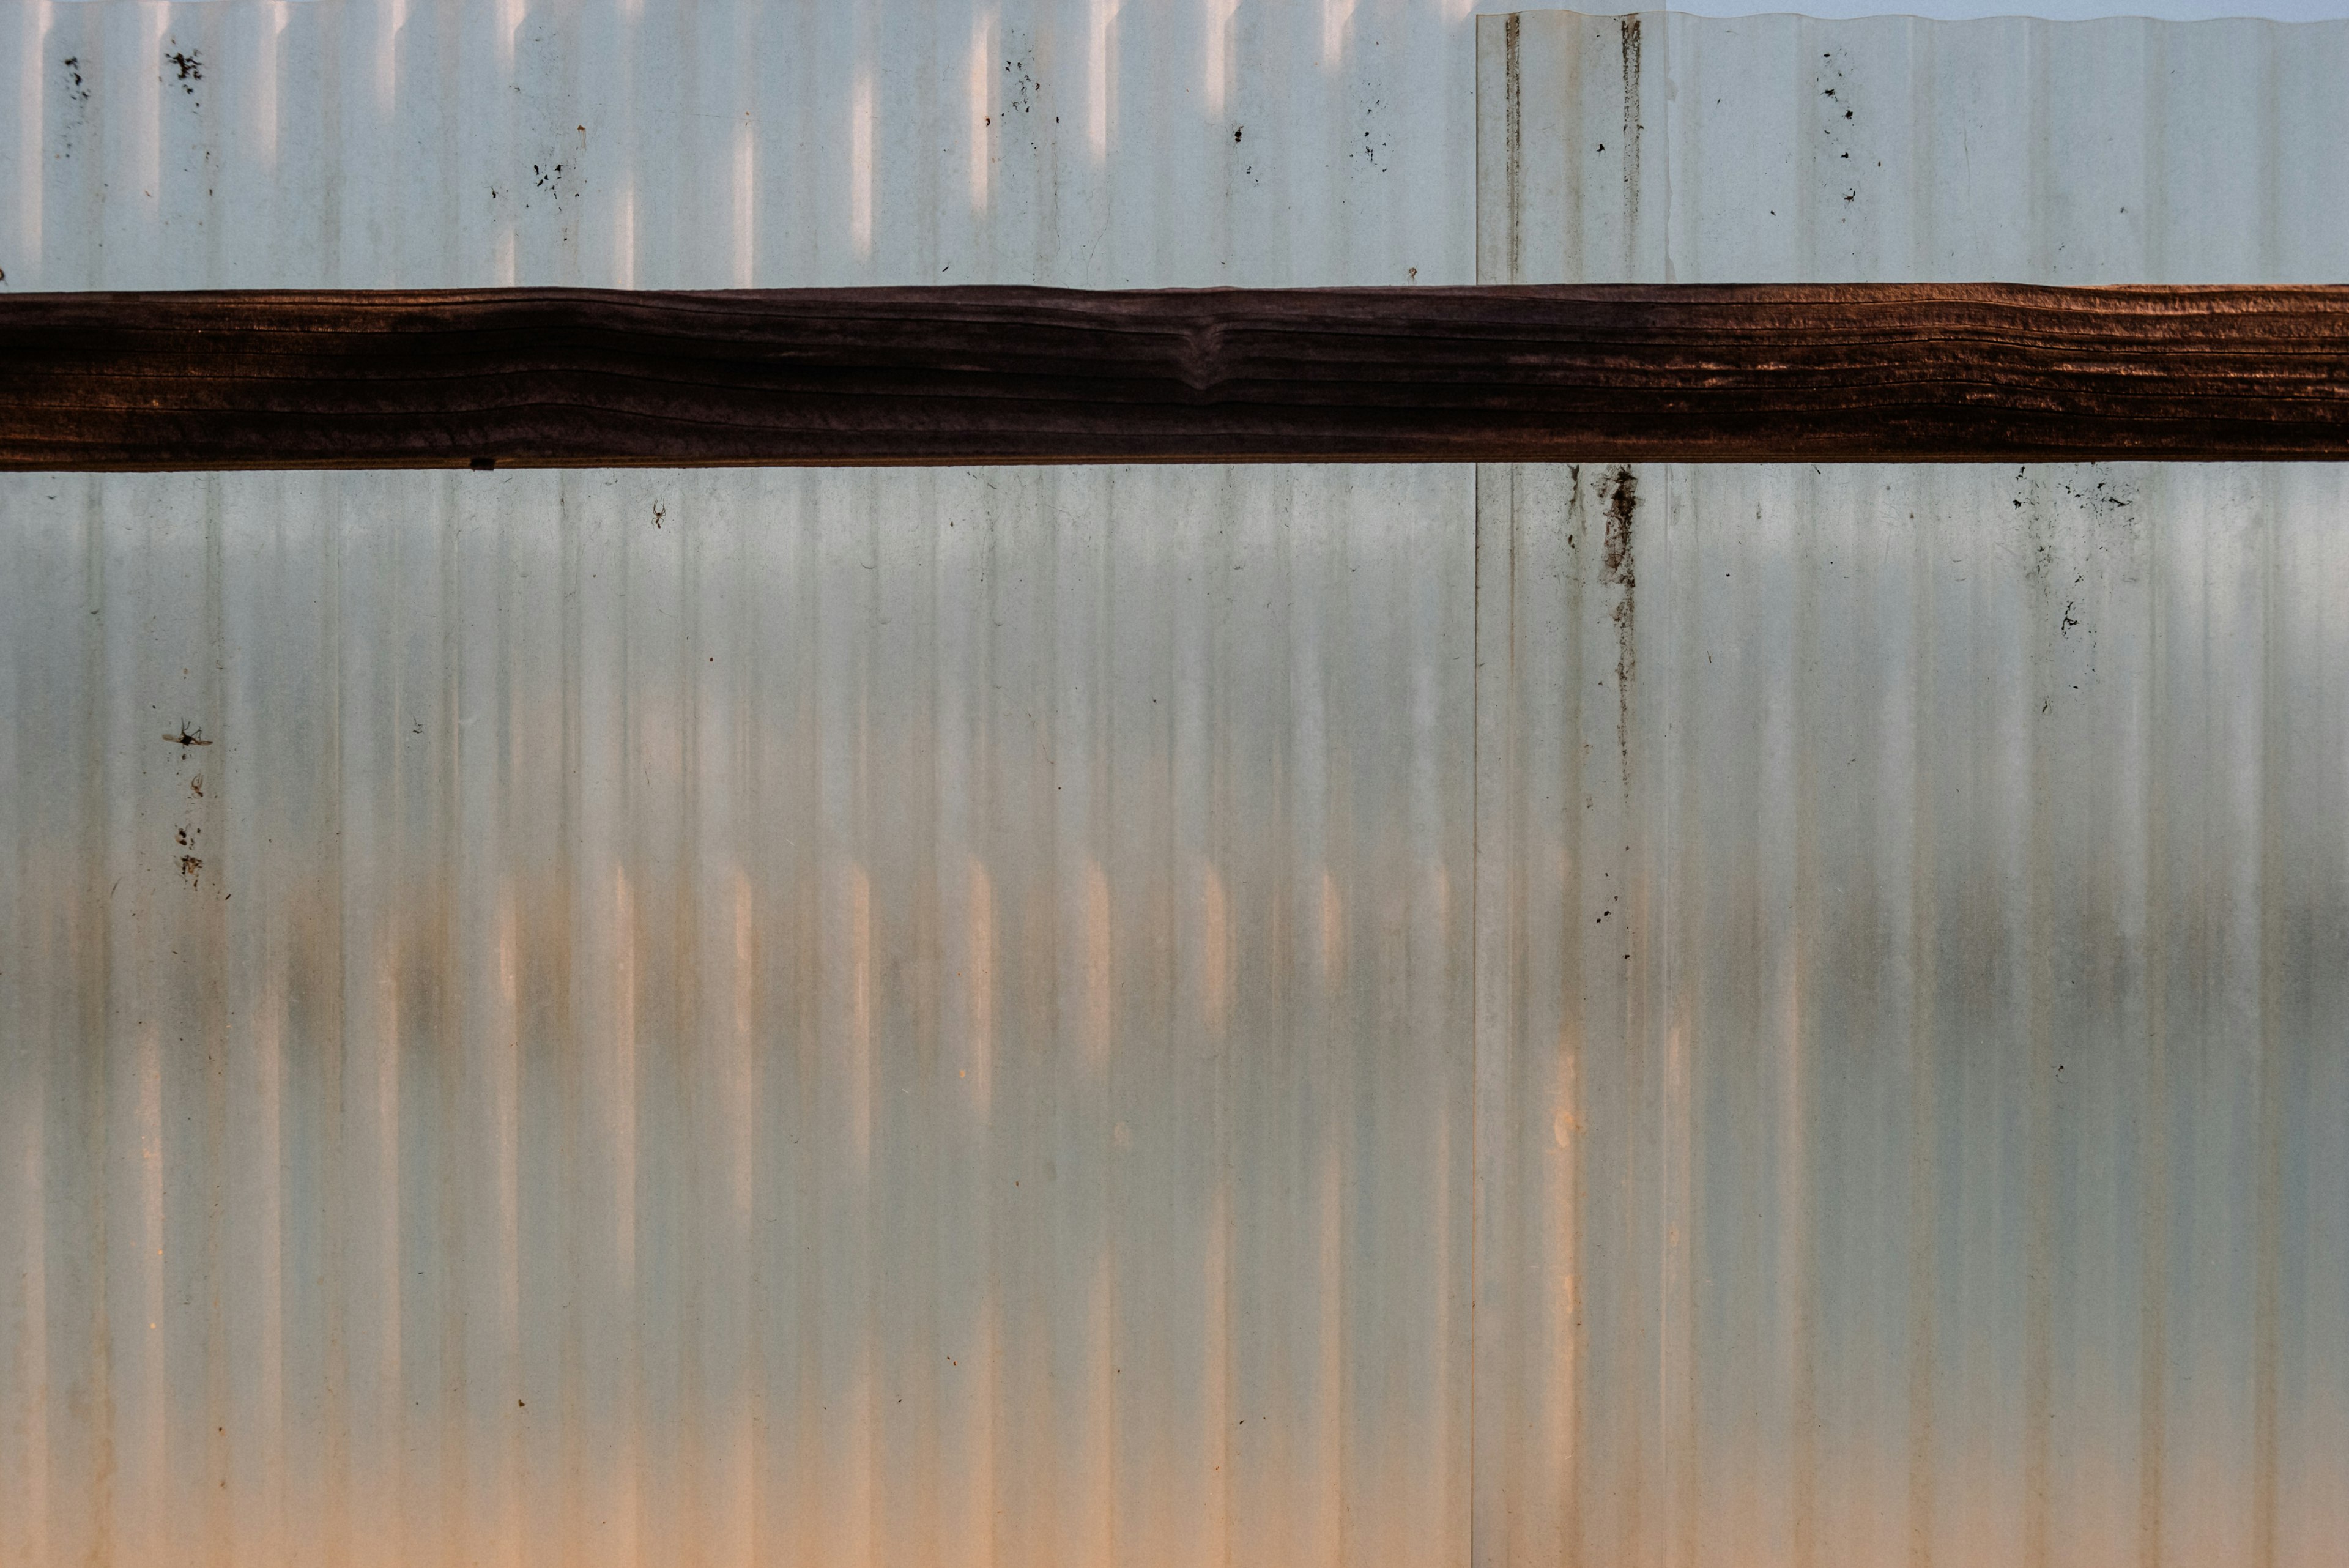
(76, 106)
(192, 870)
(191, 66)
(553, 180)
(1835, 105)
(1372, 148)
(1622, 509)
(1025, 88)
(1615, 569)
(1513, 140)
(1632, 127)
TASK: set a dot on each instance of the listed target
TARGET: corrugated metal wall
(1913, 903)
(659, 1018)
(820, 1018)
(405, 143)
(853, 1017)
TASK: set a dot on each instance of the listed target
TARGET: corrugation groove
(1910, 1019)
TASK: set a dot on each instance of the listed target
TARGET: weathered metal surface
(611, 143)
(643, 919)
(786, 1018)
(634, 1018)
(1511, 372)
(1913, 907)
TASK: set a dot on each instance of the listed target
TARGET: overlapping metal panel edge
(735, 1017)
(1913, 1013)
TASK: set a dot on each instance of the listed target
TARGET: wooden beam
(576, 378)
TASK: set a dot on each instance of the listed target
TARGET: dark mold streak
(1512, 135)
(1631, 128)
(1616, 570)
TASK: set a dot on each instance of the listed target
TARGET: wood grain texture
(580, 378)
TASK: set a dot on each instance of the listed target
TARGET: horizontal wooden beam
(581, 378)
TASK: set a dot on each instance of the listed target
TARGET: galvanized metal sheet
(825, 1018)
(1913, 907)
